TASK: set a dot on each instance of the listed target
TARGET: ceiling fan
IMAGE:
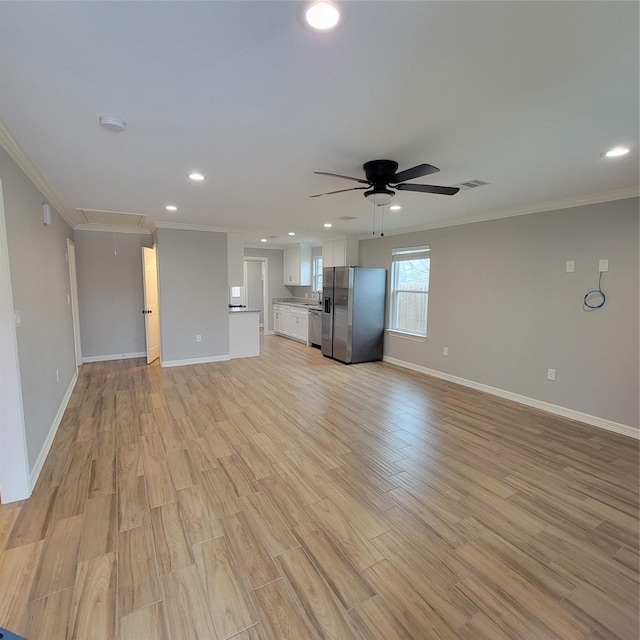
(381, 174)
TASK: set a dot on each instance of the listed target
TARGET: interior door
(73, 283)
(151, 315)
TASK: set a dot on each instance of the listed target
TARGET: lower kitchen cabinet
(292, 322)
(299, 324)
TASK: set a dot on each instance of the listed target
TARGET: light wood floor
(289, 497)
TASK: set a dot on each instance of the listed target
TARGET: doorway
(256, 287)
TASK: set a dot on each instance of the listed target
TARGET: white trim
(111, 229)
(189, 361)
(44, 452)
(551, 205)
(270, 333)
(115, 356)
(594, 421)
(190, 227)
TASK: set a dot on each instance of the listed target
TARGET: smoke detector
(112, 123)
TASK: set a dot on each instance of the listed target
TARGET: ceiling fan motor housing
(380, 172)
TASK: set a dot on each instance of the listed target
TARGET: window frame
(316, 273)
(405, 254)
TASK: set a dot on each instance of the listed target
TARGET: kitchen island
(244, 333)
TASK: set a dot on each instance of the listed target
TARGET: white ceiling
(523, 95)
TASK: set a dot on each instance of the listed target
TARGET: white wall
(40, 286)
(500, 299)
(110, 293)
(192, 268)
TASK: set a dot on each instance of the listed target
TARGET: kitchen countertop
(302, 303)
(241, 310)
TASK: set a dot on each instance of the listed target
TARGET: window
(410, 290)
(317, 274)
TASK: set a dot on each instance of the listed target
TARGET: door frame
(265, 288)
(75, 313)
(154, 249)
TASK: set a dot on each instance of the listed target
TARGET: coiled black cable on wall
(595, 298)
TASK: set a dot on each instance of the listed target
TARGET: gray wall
(40, 284)
(254, 287)
(275, 261)
(502, 302)
(194, 296)
(110, 292)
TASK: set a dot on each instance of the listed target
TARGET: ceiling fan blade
(415, 172)
(317, 195)
(337, 175)
(429, 188)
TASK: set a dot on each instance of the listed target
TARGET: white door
(151, 315)
(73, 283)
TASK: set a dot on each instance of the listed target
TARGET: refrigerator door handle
(327, 305)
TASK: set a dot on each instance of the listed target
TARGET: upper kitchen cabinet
(341, 252)
(297, 265)
(235, 258)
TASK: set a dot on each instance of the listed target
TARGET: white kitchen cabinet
(282, 319)
(299, 324)
(292, 322)
(341, 252)
(297, 265)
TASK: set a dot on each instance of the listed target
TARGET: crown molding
(190, 227)
(19, 156)
(105, 228)
(551, 205)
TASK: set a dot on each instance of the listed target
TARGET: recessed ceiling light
(291, 233)
(112, 123)
(321, 16)
(196, 176)
(616, 152)
(328, 225)
(263, 239)
(171, 207)
(395, 207)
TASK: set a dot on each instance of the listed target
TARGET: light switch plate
(571, 266)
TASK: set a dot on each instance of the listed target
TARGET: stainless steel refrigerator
(353, 313)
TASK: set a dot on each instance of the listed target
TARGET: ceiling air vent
(272, 237)
(470, 184)
(347, 218)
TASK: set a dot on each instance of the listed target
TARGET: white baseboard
(44, 452)
(271, 332)
(594, 421)
(115, 356)
(184, 363)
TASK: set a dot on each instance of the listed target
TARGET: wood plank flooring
(289, 497)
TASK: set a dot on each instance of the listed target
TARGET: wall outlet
(603, 265)
(571, 266)
(445, 351)
(198, 338)
(551, 374)
(17, 314)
